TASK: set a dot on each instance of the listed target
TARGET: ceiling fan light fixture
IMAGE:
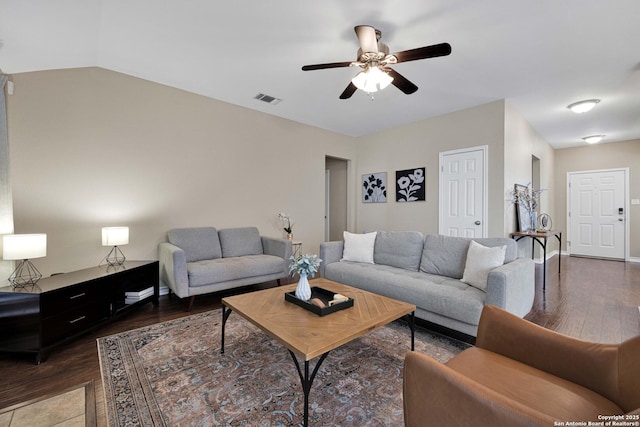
(583, 106)
(372, 80)
(593, 139)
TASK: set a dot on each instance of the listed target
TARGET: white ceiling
(538, 55)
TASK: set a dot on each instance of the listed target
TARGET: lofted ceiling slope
(538, 55)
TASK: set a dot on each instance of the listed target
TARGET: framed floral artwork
(410, 185)
(374, 187)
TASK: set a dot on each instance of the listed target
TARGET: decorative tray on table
(322, 301)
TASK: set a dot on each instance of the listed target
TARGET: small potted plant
(288, 227)
(304, 265)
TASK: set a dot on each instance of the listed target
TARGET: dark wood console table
(59, 308)
(541, 237)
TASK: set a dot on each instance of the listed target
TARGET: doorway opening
(336, 188)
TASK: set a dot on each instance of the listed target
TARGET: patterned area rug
(172, 374)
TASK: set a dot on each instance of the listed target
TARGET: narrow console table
(59, 308)
(541, 237)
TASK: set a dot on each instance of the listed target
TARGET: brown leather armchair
(521, 374)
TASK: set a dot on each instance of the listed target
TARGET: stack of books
(135, 296)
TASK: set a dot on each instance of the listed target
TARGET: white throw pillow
(480, 260)
(358, 247)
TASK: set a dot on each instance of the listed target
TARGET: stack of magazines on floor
(135, 296)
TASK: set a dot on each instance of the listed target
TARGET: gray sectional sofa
(201, 260)
(427, 272)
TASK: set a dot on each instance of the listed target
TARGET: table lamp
(115, 236)
(24, 247)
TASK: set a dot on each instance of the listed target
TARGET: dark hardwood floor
(591, 299)
(596, 300)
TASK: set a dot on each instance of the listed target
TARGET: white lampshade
(372, 80)
(24, 246)
(115, 236)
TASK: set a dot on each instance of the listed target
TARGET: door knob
(477, 223)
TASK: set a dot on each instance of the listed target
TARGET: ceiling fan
(374, 58)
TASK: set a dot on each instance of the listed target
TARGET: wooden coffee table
(308, 335)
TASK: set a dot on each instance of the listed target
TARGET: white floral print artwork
(410, 185)
(374, 187)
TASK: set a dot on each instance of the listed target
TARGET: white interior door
(597, 213)
(463, 193)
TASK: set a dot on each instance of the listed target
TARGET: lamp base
(25, 274)
(115, 257)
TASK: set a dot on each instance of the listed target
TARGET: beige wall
(521, 143)
(93, 148)
(511, 140)
(419, 144)
(595, 157)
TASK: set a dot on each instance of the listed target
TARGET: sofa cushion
(240, 241)
(198, 243)
(444, 255)
(358, 247)
(480, 260)
(402, 249)
(447, 255)
(437, 294)
(536, 389)
(207, 272)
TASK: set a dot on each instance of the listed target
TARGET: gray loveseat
(427, 272)
(201, 260)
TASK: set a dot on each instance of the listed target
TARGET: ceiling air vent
(267, 98)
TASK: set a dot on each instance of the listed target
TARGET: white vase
(303, 291)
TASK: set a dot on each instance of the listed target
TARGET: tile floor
(68, 409)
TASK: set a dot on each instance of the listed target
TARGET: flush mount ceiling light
(593, 139)
(583, 106)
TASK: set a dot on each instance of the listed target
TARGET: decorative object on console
(526, 199)
(287, 226)
(374, 187)
(544, 222)
(115, 236)
(304, 265)
(410, 185)
(24, 247)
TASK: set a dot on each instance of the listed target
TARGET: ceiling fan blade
(324, 66)
(442, 49)
(401, 82)
(350, 90)
(367, 37)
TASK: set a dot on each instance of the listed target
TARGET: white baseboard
(538, 260)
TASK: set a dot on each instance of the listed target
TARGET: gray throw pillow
(444, 255)
(240, 241)
(198, 243)
(402, 249)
